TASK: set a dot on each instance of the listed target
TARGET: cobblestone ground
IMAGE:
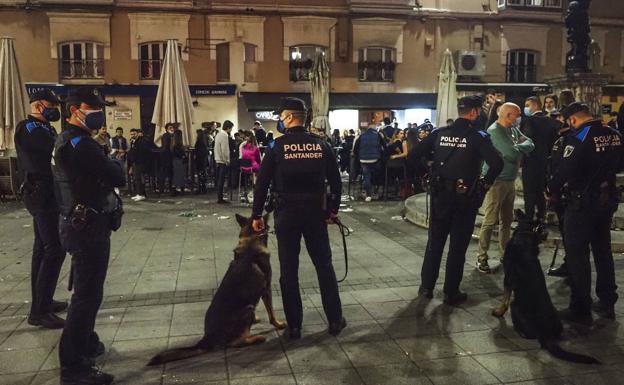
(165, 266)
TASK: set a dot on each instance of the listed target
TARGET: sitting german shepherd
(232, 311)
(532, 312)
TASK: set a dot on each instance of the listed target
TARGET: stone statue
(594, 57)
(577, 23)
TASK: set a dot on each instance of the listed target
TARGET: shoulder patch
(483, 133)
(567, 151)
(74, 141)
(581, 135)
(30, 126)
(271, 144)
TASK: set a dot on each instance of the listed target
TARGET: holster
(35, 194)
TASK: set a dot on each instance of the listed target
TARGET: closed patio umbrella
(447, 90)
(319, 90)
(12, 93)
(173, 100)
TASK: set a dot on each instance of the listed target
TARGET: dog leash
(344, 232)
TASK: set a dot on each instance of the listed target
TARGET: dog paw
(279, 325)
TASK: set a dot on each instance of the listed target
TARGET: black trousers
(589, 226)
(47, 260)
(534, 186)
(90, 251)
(452, 217)
(560, 212)
(290, 225)
(222, 172)
(138, 173)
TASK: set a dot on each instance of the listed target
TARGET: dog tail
(558, 352)
(180, 353)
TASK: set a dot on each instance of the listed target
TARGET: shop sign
(266, 115)
(214, 90)
(122, 115)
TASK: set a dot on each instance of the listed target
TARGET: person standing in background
(222, 157)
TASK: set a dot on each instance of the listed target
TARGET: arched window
(522, 66)
(376, 64)
(302, 59)
(81, 60)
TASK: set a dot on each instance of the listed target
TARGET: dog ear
(242, 221)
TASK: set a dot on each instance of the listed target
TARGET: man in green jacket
(499, 200)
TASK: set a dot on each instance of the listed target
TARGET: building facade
(240, 59)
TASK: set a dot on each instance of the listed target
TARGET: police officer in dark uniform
(557, 202)
(297, 167)
(592, 156)
(85, 179)
(34, 142)
(457, 191)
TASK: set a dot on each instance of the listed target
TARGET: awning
(505, 87)
(268, 101)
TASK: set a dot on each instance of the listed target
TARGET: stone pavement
(163, 270)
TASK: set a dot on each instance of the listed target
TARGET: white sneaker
(140, 198)
(368, 199)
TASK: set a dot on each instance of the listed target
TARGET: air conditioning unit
(470, 63)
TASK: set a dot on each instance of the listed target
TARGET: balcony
(376, 71)
(82, 69)
(540, 5)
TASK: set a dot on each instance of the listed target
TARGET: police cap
(574, 108)
(473, 101)
(291, 104)
(44, 94)
(86, 95)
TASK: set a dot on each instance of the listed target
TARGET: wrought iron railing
(376, 71)
(82, 69)
(517, 73)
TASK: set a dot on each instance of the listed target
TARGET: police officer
(591, 158)
(296, 167)
(85, 178)
(457, 191)
(34, 141)
(557, 201)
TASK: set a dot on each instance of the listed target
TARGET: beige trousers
(498, 206)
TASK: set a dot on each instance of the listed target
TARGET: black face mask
(51, 114)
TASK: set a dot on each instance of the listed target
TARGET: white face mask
(517, 122)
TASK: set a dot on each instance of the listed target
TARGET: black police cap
(473, 101)
(291, 104)
(44, 94)
(86, 95)
(574, 108)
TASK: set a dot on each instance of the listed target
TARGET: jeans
(222, 171)
(368, 172)
(90, 250)
(47, 260)
(290, 225)
(137, 174)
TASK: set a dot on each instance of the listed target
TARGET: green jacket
(506, 141)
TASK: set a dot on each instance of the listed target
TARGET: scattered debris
(223, 217)
(397, 218)
(347, 210)
(188, 214)
(178, 203)
(373, 220)
(26, 226)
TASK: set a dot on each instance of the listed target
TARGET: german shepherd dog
(532, 312)
(231, 313)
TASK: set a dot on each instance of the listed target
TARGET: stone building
(241, 57)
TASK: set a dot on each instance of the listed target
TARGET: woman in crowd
(250, 153)
(103, 139)
(397, 153)
(551, 104)
(178, 181)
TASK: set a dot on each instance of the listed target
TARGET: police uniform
(85, 180)
(34, 141)
(296, 168)
(457, 152)
(591, 157)
(558, 202)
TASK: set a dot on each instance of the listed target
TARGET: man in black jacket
(139, 159)
(543, 131)
(34, 141)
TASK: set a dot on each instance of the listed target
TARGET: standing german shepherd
(232, 310)
(532, 312)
